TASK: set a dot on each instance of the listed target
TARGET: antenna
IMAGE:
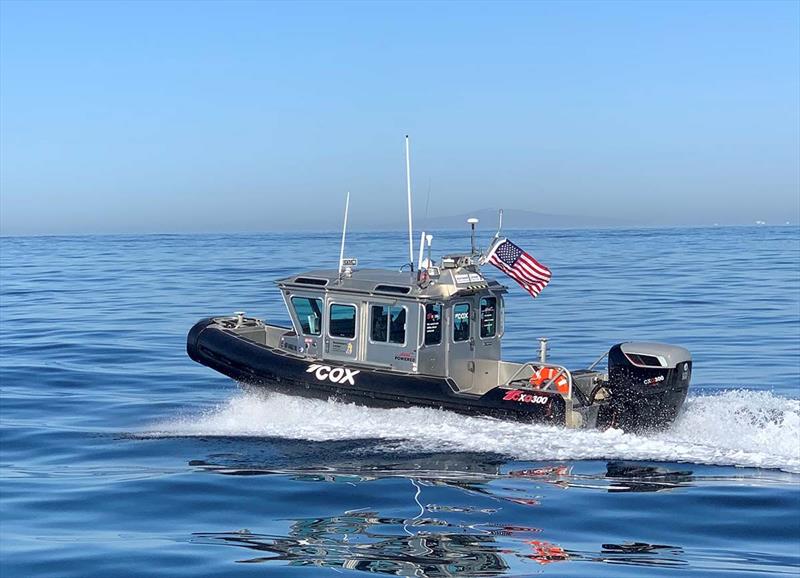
(428, 239)
(493, 242)
(344, 231)
(408, 188)
(421, 248)
(472, 222)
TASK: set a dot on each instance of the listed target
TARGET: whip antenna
(410, 226)
(499, 224)
(344, 232)
(421, 249)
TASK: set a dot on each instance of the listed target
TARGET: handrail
(599, 359)
(535, 366)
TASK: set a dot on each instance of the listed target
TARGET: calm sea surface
(121, 457)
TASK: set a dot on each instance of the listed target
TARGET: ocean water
(121, 457)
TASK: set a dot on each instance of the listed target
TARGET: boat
(430, 336)
(396, 339)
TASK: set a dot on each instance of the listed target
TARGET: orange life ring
(545, 374)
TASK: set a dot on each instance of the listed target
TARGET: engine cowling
(647, 385)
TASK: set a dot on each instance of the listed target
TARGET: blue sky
(150, 116)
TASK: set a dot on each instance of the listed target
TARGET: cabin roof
(386, 282)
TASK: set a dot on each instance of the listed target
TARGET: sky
(128, 117)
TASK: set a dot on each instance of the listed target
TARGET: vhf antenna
(344, 232)
(410, 226)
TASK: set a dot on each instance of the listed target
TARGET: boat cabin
(444, 321)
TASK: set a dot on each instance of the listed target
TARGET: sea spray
(731, 427)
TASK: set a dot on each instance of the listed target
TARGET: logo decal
(521, 396)
(653, 380)
(334, 374)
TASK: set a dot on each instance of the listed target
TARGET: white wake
(739, 428)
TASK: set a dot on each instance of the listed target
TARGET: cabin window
(488, 317)
(342, 321)
(309, 313)
(380, 322)
(433, 324)
(461, 322)
(397, 325)
(388, 324)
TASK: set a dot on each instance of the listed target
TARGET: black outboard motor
(647, 385)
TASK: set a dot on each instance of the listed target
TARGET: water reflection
(634, 477)
(470, 471)
(642, 554)
(480, 529)
(457, 468)
(368, 542)
(365, 541)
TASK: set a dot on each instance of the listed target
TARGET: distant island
(488, 217)
(512, 219)
(519, 219)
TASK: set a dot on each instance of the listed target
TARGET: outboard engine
(647, 385)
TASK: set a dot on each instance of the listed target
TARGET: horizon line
(389, 230)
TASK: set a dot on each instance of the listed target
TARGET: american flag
(517, 264)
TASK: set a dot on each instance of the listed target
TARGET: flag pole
(408, 189)
(493, 243)
(344, 231)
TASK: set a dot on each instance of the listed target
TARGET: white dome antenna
(472, 222)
